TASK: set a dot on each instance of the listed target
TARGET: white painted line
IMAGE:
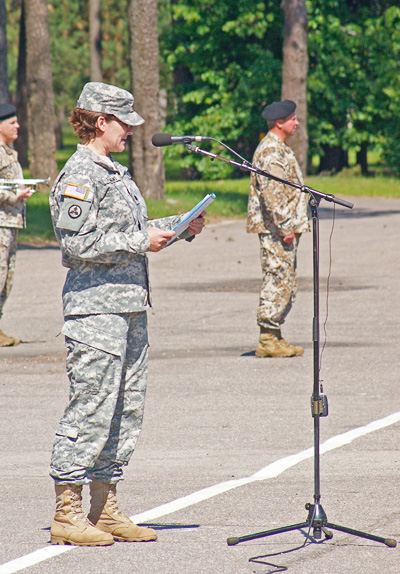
(271, 471)
(33, 558)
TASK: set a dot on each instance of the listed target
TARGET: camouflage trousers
(8, 252)
(107, 370)
(278, 289)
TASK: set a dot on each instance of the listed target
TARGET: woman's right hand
(159, 237)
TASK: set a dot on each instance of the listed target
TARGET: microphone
(160, 140)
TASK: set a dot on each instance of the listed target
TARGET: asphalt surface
(216, 415)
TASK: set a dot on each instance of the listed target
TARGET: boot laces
(112, 501)
(76, 504)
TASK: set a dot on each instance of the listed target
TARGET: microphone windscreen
(159, 140)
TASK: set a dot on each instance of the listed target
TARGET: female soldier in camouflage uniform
(100, 221)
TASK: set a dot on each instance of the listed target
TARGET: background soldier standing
(278, 213)
(100, 221)
(12, 208)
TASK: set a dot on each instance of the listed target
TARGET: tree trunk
(333, 159)
(362, 158)
(294, 72)
(42, 141)
(96, 72)
(4, 93)
(22, 144)
(147, 160)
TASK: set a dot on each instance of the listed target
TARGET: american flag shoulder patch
(75, 191)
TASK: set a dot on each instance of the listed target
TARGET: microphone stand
(316, 519)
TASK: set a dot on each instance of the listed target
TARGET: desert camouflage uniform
(12, 218)
(274, 211)
(100, 221)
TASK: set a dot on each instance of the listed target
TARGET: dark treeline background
(221, 62)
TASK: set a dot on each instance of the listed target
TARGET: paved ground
(216, 415)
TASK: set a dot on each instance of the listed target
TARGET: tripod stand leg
(391, 542)
(328, 533)
(235, 540)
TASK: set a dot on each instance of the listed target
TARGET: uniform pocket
(92, 332)
(67, 430)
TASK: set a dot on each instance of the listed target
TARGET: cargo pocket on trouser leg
(62, 464)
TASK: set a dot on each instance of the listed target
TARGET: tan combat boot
(298, 351)
(6, 341)
(106, 516)
(70, 525)
(271, 344)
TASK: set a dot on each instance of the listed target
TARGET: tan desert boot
(70, 525)
(6, 341)
(298, 351)
(269, 346)
(106, 516)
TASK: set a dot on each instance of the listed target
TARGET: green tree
(225, 60)
(70, 47)
(350, 47)
(221, 62)
(386, 34)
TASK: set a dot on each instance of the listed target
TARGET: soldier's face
(115, 135)
(9, 130)
(289, 125)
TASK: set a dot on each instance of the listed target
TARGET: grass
(231, 194)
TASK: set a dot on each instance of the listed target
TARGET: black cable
(256, 559)
(232, 151)
(328, 287)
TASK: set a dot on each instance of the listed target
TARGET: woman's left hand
(196, 226)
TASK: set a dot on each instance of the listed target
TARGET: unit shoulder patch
(73, 214)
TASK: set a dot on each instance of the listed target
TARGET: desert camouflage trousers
(107, 370)
(8, 252)
(278, 289)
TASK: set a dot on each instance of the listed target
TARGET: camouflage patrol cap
(7, 111)
(278, 110)
(107, 99)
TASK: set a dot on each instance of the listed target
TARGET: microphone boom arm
(246, 166)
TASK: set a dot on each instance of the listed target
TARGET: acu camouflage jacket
(100, 219)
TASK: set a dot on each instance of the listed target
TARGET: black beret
(7, 111)
(278, 110)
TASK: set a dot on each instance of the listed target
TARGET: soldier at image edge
(100, 221)
(12, 208)
(278, 213)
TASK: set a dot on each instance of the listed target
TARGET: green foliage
(69, 50)
(388, 31)
(353, 79)
(226, 61)
(220, 61)
(39, 229)
(69, 36)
